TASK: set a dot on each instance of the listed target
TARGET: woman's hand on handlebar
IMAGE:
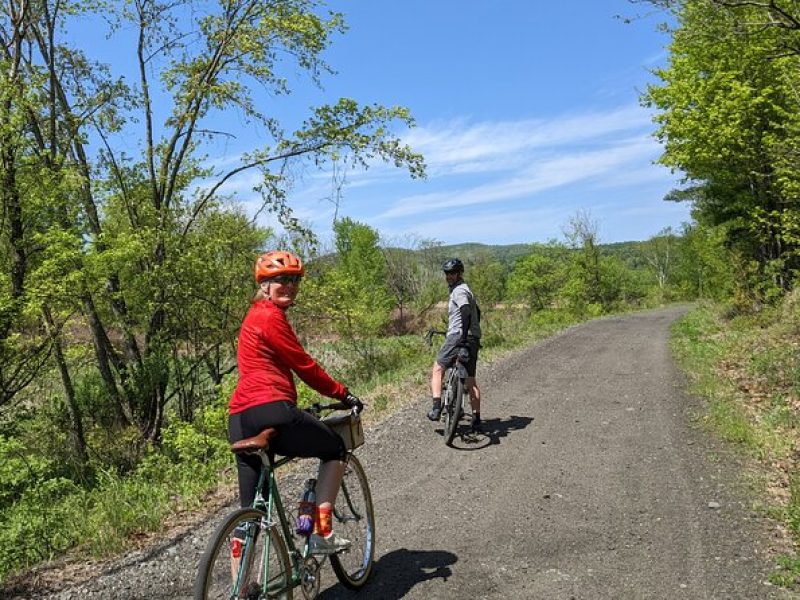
(350, 402)
(353, 401)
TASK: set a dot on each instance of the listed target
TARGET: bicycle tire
(453, 409)
(215, 577)
(354, 518)
(448, 382)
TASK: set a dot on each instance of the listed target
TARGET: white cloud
(244, 182)
(499, 182)
(637, 176)
(542, 175)
(502, 227)
(456, 144)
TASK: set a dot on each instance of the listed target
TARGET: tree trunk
(76, 436)
(106, 356)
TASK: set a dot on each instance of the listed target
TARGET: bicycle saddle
(255, 443)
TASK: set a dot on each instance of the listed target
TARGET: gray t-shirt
(461, 295)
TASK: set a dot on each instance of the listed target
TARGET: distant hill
(507, 255)
(471, 251)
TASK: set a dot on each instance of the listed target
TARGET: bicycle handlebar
(317, 407)
(430, 333)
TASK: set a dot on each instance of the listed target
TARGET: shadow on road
(493, 430)
(396, 573)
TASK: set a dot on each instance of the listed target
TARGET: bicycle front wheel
(354, 518)
(246, 559)
(452, 414)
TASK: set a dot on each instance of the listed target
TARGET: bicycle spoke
(245, 560)
(355, 521)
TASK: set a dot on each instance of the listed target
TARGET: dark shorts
(449, 351)
(299, 435)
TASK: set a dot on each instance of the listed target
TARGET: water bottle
(306, 509)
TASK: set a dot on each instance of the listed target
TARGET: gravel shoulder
(590, 483)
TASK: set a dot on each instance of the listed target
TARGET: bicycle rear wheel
(355, 520)
(246, 559)
(453, 407)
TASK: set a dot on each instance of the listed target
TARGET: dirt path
(590, 483)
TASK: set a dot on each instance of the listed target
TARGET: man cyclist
(463, 331)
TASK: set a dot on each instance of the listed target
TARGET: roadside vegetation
(748, 368)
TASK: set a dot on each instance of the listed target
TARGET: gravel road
(590, 483)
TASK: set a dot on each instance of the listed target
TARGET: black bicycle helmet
(453, 265)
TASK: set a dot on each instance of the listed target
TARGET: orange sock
(323, 525)
(316, 520)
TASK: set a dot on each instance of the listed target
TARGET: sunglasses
(285, 279)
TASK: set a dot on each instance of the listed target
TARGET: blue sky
(527, 112)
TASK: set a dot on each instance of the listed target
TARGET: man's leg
(437, 373)
(475, 401)
(472, 386)
(446, 356)
(474, 394)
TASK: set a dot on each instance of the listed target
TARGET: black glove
(353, 402)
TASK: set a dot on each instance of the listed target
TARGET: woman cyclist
(265, 394)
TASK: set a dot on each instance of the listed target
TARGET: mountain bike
(253, 554)
(454, 389)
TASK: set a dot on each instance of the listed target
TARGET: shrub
(43, 522)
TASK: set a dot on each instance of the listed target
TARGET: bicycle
(454, 389)
(253, 556)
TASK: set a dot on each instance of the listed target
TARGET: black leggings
(299, 435)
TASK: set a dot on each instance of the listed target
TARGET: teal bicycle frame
(265, 558)
(270, 505)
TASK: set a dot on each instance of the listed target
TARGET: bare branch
(200, 205)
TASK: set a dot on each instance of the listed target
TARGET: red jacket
(268, 353)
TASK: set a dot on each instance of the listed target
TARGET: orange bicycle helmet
(278, 262)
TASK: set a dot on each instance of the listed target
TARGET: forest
(126, 269)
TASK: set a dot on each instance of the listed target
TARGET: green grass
(787, 573)
(100, 520)
(97, 522)
(747, 372)
(781, 414)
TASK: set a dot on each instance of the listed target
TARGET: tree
(581, 233)
(140, 231)
(206, 323)
(659, 251)
(23, 348)
(534, 280)
(729, 120)
(362, 300)
(487, 280)
(432, 256)
(404, 275)
(704, 268)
